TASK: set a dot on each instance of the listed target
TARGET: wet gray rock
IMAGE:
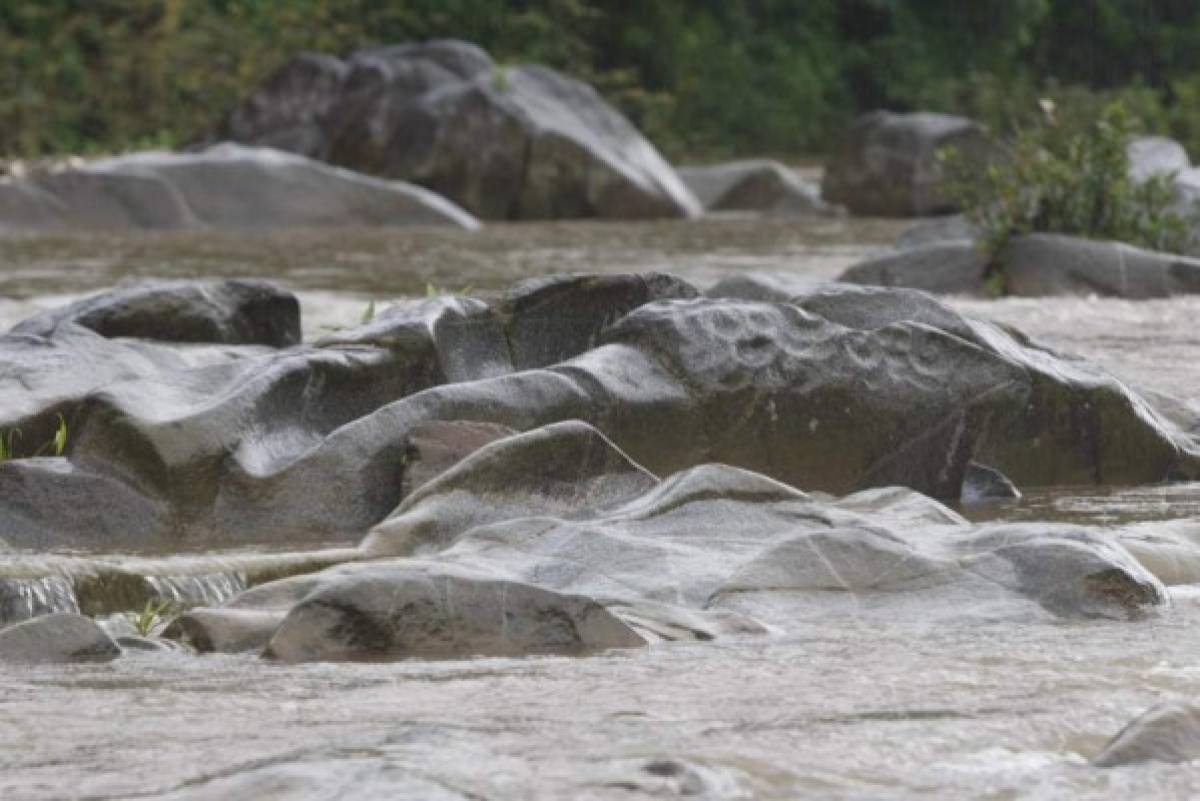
(886, 164)
(224, 630)
(1151, 156)
(225, 186)
(551, 319)
(530, 143)
(232, 312)
(842, 388)
(1078, 425)
(755, 185)
(52, 503)
(719, 539)
(409, 609)
(1041, 265)
(57, 638)
(504, 142)
(949, 268)
(1166, 733)
(436, 446)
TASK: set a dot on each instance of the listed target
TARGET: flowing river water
(925, 703)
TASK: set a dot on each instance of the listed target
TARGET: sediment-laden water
(932, 703)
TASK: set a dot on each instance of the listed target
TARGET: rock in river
(57, 638)
(887, 163)
(224, 186)
(521, 142)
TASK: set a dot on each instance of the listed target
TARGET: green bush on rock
(1069, 176)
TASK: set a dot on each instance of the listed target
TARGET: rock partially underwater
(583, 462)
(225, 186)
(839, 389)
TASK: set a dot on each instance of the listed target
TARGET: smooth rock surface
(755, 185)
(887, 163)
(519, 142)
(1042, 265)
(226, 186)
(233, 312)
(950, 268)
(57, 638)
(410, 609)
(1167, 733)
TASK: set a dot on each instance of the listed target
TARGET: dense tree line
(703, 77)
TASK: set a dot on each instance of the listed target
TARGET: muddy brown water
(946, 704)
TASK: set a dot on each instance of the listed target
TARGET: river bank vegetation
(704, 78)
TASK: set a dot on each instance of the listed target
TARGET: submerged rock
(887, 163)
(755, 185)
(519, 142)
(57, 638)
(1167, 733)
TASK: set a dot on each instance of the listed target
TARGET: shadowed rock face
(1167, 733)
(841, 389)
(226, 186)
(505, 143)
(886, 165)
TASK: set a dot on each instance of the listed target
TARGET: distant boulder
(755, 185)
(225, 186)
(504, 142)
(887, 165)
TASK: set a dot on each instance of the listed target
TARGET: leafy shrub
(1068, 175)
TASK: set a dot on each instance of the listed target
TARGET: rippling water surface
(933, 703)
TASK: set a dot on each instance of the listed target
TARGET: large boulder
(504, 142)
(755, 185)
(224, 186)
(1040, 265)
(887, 164)
(838, 389)
(57, 638)
(1078, 424)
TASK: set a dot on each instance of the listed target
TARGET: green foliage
(368, 313)
(1071, 176)
(57, 445)
(7, 441)
(701, 77)
(153, 615)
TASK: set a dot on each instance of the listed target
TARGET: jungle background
(704, 78)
